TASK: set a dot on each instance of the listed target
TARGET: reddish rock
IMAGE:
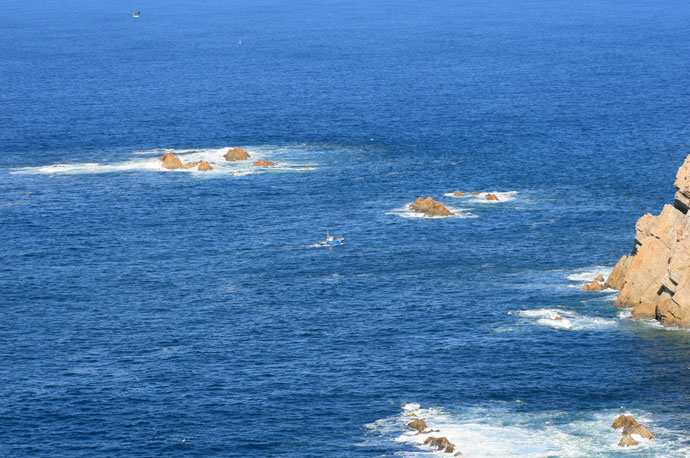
(627, 441)
(475, 193)
(308, 167)
(204, 166)
(417, 424)
(491, 197)
(558, 318)
(458, 194)
(190, 165)
(594, 286)
(429, 207)
(599, 278)
(170, 161)
(622, 421)
(236, 154)
(264, 163)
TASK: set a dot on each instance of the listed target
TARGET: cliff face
(655, 278)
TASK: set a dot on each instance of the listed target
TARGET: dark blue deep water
(152, 313)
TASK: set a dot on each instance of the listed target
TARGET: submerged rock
(458, 193)
(627, 441)
(190, 165)
(594, 286)
(475, 193)
(429, 207)
(170, 161)
(491, 197)
(264, 163)
(236, 154)
(204, 166)
(418, 424)
(654, 280)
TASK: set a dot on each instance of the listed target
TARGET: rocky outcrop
(190, 165)
(236, 154)
(475, 193)
(654, 280)
(458, 194)
(600, 278)
(491, 197)
(204, 166)
(594, 286)
(429, 207)
(631, 426)
(170, 161)
(418, 424)
(441, 443)
(264, 163)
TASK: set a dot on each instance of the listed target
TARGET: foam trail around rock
(406, 212)
(502, 430)
(147, 161)
(503, 196)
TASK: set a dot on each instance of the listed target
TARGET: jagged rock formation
(491, 197)
(655, 278)
(264, 163)
(458, 193)
(429, 207)
(236, 154)
(418, 424)
(190, 165)
(441, 443)
(631, 426)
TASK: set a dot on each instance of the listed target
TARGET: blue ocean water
(167, 313)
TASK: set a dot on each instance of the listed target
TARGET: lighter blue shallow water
(152, 313)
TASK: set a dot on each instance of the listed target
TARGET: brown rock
(190, 165)
(622, 421)
(170, 161)
(450, 448)
(458, 194)
(655, 278)
(639, 430)
(491, 197)
(204, 166)
(308, 167)
(475, 193)
(599, 278)
(558, 318)
(264, 163)
(236, 154)
(429, 207)
(439, 442)
(594, 286)
(627, 441)
(417, 424)
(457, 453)
(617, 277)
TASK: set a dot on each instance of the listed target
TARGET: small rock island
(429, 207)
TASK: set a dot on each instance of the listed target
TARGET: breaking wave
(563, 319)
(503, 430)
(147, 161)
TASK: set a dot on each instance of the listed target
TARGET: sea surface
(154, 313)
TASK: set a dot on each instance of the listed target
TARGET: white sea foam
(569, 320)
(147, 161)
(406, 212)
(503, 196)
(501, 430)
(587, 274)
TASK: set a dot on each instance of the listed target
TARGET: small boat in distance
(332, 241)
(136, 13)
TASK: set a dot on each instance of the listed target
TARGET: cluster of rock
(429, 207)
(489, 196)
(172, 162)
(440, 443)
(631, 426)
(654, 279)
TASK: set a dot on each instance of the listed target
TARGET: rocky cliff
(654, 279)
